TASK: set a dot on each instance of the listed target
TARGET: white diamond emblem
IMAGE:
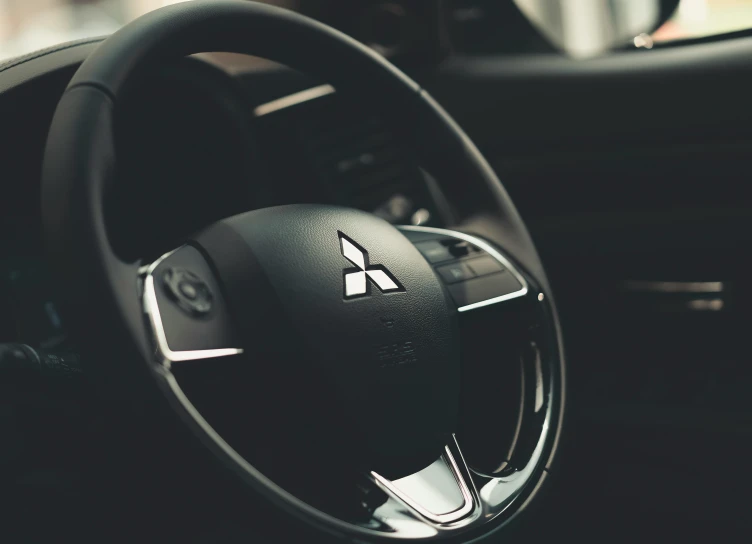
(358, 279)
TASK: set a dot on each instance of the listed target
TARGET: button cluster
(471, 274)
(188, 291)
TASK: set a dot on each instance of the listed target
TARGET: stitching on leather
(16, 61)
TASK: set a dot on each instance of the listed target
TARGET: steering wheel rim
(80, 168)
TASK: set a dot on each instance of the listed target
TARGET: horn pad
(348, 296)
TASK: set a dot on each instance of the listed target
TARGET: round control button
(188, 291)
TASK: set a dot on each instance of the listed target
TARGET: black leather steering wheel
(420, 370)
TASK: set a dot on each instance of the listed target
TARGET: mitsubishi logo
(358, 279)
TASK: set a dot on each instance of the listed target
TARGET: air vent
(354, 158)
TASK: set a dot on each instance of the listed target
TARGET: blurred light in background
(588, 28)
(699, 18)
(580, 27)
(28, 25)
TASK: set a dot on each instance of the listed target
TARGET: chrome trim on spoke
(151, 309)
(463, 511)
(488, 248)
(293, 100)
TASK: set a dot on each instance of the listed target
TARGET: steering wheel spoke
(441, 494)
(185, 309)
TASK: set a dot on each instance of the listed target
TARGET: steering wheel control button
(434, 251)
(484, 288)
(452, 273)
(460, 248)
(476, 275)
(483, 266)
(188, 291)
(187, 312)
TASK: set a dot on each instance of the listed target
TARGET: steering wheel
(366, 381)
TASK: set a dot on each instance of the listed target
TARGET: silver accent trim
(293, 100)
(538, 379)
(488, 249)
(151, 309)
(520, 420)
(442, 519)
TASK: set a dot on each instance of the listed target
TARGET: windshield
(28, 25)
(699, 18)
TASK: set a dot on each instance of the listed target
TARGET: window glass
(698, 18)
(28, 25)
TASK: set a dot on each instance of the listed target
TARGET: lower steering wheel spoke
(441, 494)
(185, 309)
